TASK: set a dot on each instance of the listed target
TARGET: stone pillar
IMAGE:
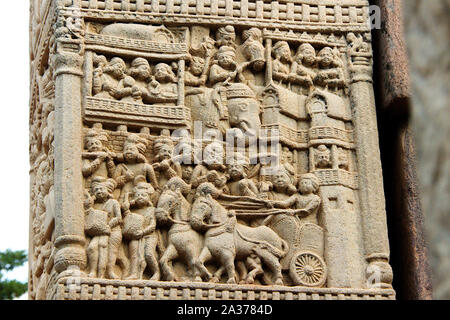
(371, 191)
(69, 221)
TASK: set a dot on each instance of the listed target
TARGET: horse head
(171, 203)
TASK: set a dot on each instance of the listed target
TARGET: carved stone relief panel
(226, 148)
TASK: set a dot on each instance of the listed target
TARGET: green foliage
(9, 260)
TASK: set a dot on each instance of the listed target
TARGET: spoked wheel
(308, 269)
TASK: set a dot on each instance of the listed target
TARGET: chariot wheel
(308, 269)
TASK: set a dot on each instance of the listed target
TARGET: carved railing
(318, 133)
(350, 12)
(111, 111)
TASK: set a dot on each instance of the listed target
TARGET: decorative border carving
(104, 110)
(337, 177)
(96, 289)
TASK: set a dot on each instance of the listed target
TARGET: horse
(183, 242)
(227, 240)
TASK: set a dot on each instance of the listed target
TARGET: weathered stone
(427, 36)
(148, 194)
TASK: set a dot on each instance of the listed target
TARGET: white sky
(14, 165)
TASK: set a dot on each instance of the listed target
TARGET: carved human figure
(97, 159)
(163, 88)
(303, 68)
(132, 163)
(140, 229)
(103, 220)
(253, 49)
(343, 159)
(108, 81)
(287, 160)
(283, 184)
(322, 157)
(226, 36)
(211, 169)
(281, 65)
(330, 74)
(195, 75)
(305, 205)
(164, 163)
(239, 184)
(225, 69)
(141, 71)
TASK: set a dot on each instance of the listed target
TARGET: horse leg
(170, 254)
(273, 263)
(228, 262)
(242, 271)
(205, 255)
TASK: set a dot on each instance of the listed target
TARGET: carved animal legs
(254, 264)
(170, 254)
(205, 255)
(272, 262)
(227, 260)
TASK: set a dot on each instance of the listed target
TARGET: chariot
(304, 259)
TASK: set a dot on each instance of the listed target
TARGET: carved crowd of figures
(42, 194)
(143, 215)
(218, 85)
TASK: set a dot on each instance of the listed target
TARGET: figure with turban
(140, 229)
(103, 220)
(132, 164)
(97, 159)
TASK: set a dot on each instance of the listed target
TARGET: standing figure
(140, 229)
(103, 220)
(133, 164)
(281, 65)
(97, 160)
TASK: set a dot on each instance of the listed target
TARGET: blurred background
(427, 34)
